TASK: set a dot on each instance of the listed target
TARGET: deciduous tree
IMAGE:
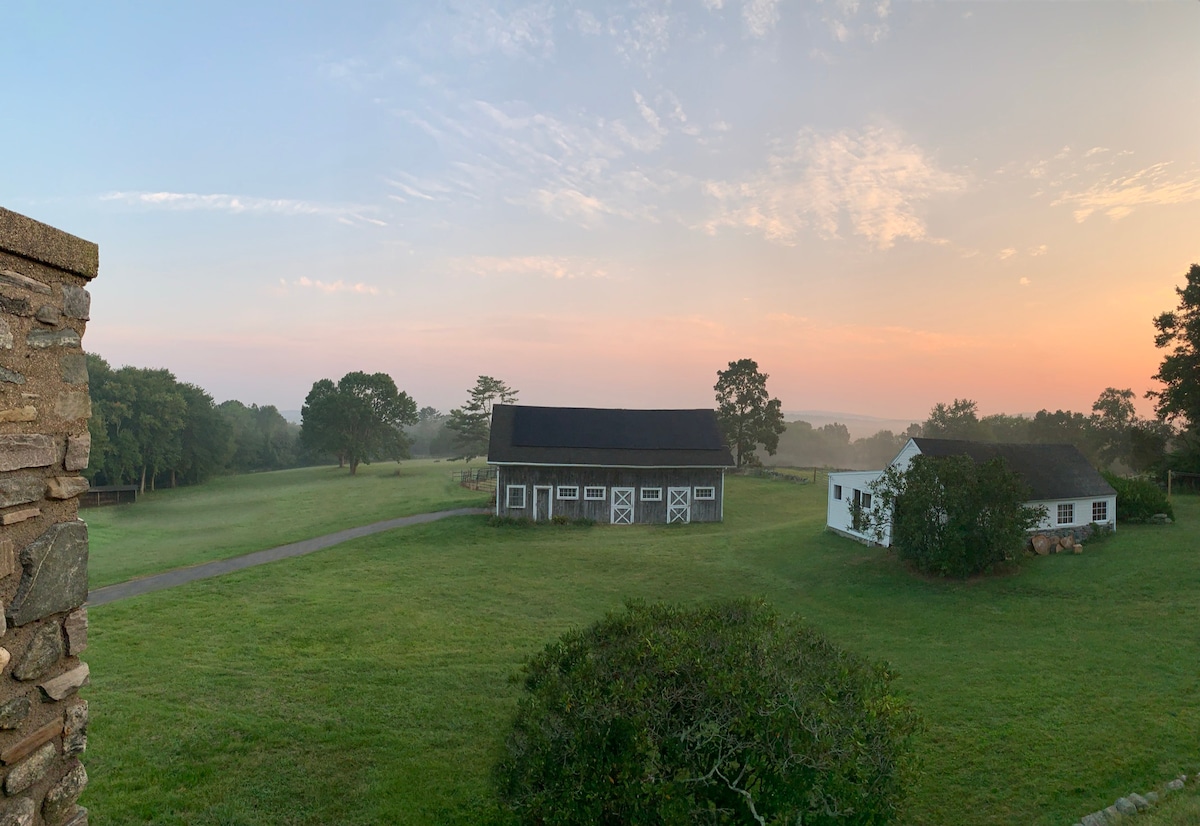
(748, 416)
(358, 419)
(1178, 332)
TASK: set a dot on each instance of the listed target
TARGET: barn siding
(530, 476)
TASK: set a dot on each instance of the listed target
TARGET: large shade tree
(746, 413)
(1178, 332)
(358, 419)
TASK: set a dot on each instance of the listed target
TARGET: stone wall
(44, 444)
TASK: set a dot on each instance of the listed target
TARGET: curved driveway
(169, 579)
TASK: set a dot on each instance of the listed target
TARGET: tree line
(150, 429)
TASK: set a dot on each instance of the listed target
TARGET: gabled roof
(605, 437)
(1051, 471)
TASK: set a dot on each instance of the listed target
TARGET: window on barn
(837, 491)
(651, 494)
(568, 491)
(866, 501)
(1066, 513)
(515, 496)
(1099, 511)
(706, 493)
(593, 493)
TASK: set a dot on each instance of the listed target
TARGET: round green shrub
(722, 714)
(1138, 499)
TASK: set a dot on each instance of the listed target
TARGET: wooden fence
(479, 478)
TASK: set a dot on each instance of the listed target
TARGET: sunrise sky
(885, 204)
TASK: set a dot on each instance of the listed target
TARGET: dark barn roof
(1051, 471)
(602, 437)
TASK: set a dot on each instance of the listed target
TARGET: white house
(1060, 478)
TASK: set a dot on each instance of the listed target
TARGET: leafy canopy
(1179, 333)
(471, 424)
(748, 416)
(951, 516)
(723, 714)
(358, 419)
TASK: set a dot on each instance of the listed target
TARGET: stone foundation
(44, 444)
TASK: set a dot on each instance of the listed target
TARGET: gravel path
(169, 579)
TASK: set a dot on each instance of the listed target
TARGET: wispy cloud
(872, 181)
(760, 16)
(329, 287)
(1023, 281)
(238, 204)
(1117, 197)
(525, 31)
(545, 266)
(850, 19)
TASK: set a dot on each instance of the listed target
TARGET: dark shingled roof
(1051, 471)
(596, 436)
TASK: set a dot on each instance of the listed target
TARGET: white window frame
(567, 492)
(708, 493)
(1100, 511)
(1066, 509)
(594, 493)
(509, 490)
(650, 494)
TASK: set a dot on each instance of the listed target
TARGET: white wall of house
(1078, 512)
(843, 490)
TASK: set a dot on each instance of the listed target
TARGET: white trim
(589, 498)
(679, 503)
(558, 492)
(650, 494)
(549, 501)
(711, 496)
(612, 508)
(508, 491)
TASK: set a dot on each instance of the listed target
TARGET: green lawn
(234, 515)
(368, 683)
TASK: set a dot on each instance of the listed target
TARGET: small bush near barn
(951, 516)
(1138, 499)
(725, 714)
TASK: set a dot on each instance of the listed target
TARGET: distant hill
(860, 426)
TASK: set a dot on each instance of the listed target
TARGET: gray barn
(614, 466)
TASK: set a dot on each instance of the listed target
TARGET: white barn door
(679, 505)
(622, 506)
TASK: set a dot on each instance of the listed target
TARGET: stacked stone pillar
(44, 445)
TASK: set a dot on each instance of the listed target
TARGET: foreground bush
(724, 714)
(1138, 499)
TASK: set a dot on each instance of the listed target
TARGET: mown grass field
(234, 515)
(368, 683)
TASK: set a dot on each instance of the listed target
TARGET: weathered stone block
(41, 339)
(73, 404)
(11, 376)
(12, 278)
(48, 314)
(18, 489)
(79, 818)
(13, 517)
(8, 558)
(75, 729)
(43, 652)
(22, 450)
(26, 745)
(15, 305)
(28, 413)
(79, 448)
(60, 800)
(54, 573)
(6, 336)
(18, 812)
(76, 628)
(14, 712)
(77, 302)
(30, 771)
(74, 368)
(65, 487)
(64, 685)
(1140, 803)
(1125, 806)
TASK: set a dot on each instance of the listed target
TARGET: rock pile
(1133, 804)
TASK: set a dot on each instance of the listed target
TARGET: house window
(837, 491)
(568, 491)
(515, 496)
(651, 494)
(593, 493)
(1066, 513)
(706, 493)
(866, 501)
(1099, 511)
